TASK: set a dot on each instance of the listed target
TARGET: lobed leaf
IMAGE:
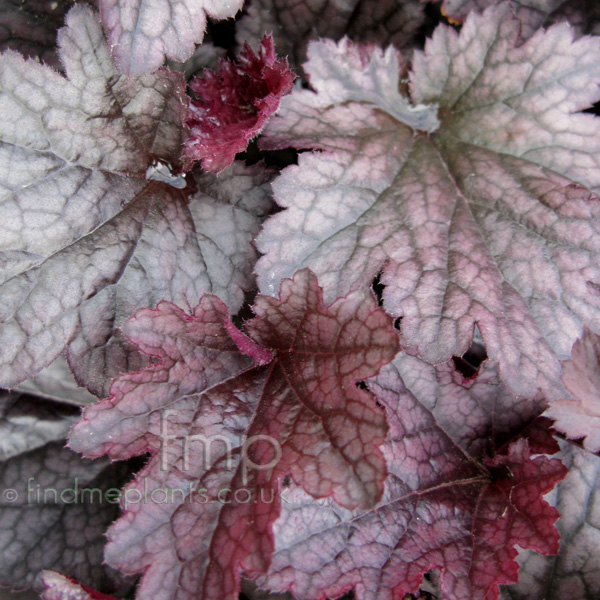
(143, 32)
(479, 413)
(200, 243)
(474, 199)
(95, 224)
(442, 509)
(577, 416)
(573, 572)
(280, 401)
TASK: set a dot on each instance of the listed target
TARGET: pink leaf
(442, 509)
(473, 194)
(579, 416)
(297, 412)
(480, 413)
(59, 587)
(233, 104)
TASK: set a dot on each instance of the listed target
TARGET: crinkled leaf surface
(579, 415)
(58, 587)
(442, 508)
(250, 591)
(294, 24)
(30, 26)
(233, 104)
(92, 228)
(289, 389)
(575, 572)
(41, 524)
(74, 195)
(142, 33)
(490, 219)
(199, 244)
(479, 413)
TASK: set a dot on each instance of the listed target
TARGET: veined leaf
(282, 401)
(474, 198)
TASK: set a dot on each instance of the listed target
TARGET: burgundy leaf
(233, 104)
(573, 573)
(579, 416)
(442, 509)
(474, 199)
(280, 401)
(142, 32)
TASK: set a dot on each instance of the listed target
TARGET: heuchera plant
(325, 280)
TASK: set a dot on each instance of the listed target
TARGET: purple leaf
(442, 509)
(490, 219)
(532, 13)
(142, 33)
(44, 522)
(582, 15)
(30, 27)
(578, 416)
(294, 24)
(479, 413)
(573, 573)
(281, 401)
(233, 105)
(98, 148)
